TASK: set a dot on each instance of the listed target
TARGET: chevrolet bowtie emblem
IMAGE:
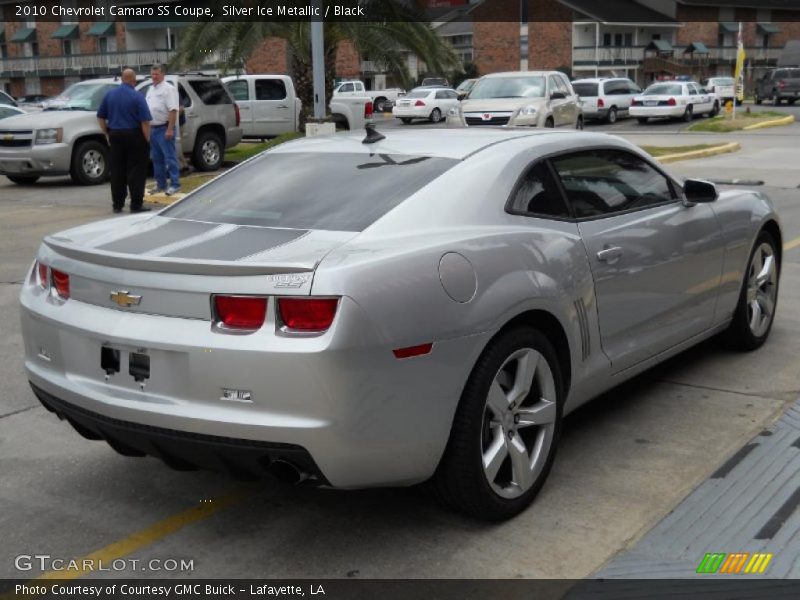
(8, 137)
(124, 298)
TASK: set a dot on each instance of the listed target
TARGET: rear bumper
(365, 418)
(233, 136)
(657, 111)
(244, 459)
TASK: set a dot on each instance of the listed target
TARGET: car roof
(456, 143)
(600, 79)
(520, 73)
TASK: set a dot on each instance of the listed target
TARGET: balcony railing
(626, 55)
(90, 63)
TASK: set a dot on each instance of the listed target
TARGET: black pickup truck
(779, 84)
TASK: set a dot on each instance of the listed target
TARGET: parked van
(268, 104)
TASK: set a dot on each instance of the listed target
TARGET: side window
(441, 95)
(692, 90)
(452, 95)
(605, 182)
(346, 87)
(211, 91)
(633, 88)
(238, 89)
(537, 194)
(270, 89)
(183, 98)
(552, 85)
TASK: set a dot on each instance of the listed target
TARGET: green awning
(65, 32)
(729, 28)
(660, 46)
(23, 35)
(767, 28)
(143, 25)
(696, 48)
(102, 29)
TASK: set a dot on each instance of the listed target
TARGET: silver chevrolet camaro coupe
(356, 312)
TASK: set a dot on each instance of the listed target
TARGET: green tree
(385, 41)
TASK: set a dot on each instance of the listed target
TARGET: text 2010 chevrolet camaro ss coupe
(426, 306)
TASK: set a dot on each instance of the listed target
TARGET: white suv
(606, 98)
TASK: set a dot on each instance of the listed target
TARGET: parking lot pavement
(626, 459)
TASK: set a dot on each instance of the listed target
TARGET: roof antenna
(372, 134)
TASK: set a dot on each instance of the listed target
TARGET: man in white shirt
(162, 100)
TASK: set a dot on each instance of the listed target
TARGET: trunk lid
(164, 266)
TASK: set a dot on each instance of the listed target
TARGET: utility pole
(318, 61)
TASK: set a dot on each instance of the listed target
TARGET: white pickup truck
(351, 113)
(268, 104)
(381, 99)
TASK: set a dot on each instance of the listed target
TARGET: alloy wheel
(210, 151)
(94, 164)
(762, 289)
(519, 423)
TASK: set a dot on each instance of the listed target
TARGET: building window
(628, 40)
(66, 47)
(618, 39)
(606, 39)
(107, 44)
(35, 49)
(765, 41)
(3, 51)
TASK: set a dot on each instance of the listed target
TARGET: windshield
(721, 81)
(81, 96)
(508, 87)
(347, 192)
(664, 89)
(466, 85)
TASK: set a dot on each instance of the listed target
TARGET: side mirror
(557, 95)
(699, 191)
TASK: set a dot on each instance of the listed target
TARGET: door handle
(282, 106)
(191, 116)
(610, 255)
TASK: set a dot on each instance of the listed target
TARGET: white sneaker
(172, 190)
(155, 190)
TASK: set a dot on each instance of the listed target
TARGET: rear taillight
(240, 312)
(419, 103)
(60, 283)
(636, 102)
(600, 103)
(368, 110)
(781, 84)
(671, 102)
(44, 275)
(238, 116)
(307, 314)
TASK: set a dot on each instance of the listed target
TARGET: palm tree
(398, 30)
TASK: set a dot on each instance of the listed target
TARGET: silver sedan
(426, 306)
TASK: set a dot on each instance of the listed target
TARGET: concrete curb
(772, 123)
(721, 149)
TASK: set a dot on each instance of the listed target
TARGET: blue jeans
(162, 151)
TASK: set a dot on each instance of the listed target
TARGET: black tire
(460, 482)
(611, 117)
(714, 111)
(436, 115)
(791, 101)
(90, 163)
(739, 334)
(579, 123)
(380, 104)
(23, 179)
(776, 99)
(642, 120)
(757, 98)
(550, 123)
(688, 114)
(405, 120)
(208, 152)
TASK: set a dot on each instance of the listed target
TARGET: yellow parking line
(147, 536)
(792, 244)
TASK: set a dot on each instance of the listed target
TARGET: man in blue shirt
(125, 119)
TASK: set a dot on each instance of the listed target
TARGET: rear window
(301, 190)
(417, 94)
(664, 89)
(211, 91)
(587, 90)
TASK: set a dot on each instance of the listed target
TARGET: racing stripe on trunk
(171, 231)
(240, 243)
